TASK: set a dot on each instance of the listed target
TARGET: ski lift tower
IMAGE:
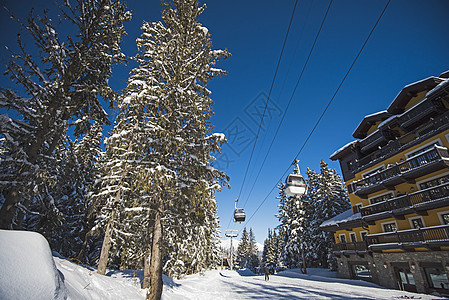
(231, 234)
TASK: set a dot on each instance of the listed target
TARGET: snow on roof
(341, 218)
(379, 113)
(342, 149)
(438, 87)
(387, 121)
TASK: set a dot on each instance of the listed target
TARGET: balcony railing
(419, 112)
(435, 236)
(395, 146)
(352, 246)
(414, 167)
(376, 139)
(416, 199)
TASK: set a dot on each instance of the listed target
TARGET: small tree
(64, 83)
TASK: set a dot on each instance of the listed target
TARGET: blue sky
(409, 44)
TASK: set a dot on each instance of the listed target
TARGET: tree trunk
(104, 255)
(146, 267)
(8, 210)
(304, 266)
(155, 291)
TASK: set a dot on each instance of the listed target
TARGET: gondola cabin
(295, 185)
(239, 215)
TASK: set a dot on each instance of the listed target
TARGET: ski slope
(29, 271)
(319, 284)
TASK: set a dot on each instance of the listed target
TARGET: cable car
(239, 213)
(295, 184)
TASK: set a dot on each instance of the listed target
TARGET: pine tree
(243, 254)
(269, 252)
(252, 252)
(64, 83)
(292, 215)
(327, 198)
(160, 150)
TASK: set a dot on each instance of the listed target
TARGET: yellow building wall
(373, 128)
(415, 100)
(357, 232)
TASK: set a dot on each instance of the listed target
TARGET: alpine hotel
(397, 176)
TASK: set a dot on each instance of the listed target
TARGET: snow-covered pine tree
(292, 215)
(64, 82)
(163, 133)
(243, 254)
(328, 199)
(252, 251)
(269, 252)
(64, 223)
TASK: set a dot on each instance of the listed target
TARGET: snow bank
(85, 283)
(27, 269)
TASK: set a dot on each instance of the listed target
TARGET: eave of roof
(410, 91)
(361, 131)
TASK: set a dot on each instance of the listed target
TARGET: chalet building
(397, 176)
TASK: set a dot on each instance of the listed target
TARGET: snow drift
(27, 268)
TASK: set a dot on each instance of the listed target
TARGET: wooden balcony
(350, 248)
(428, 237)
(418, 202)
(438, 124)
(429, 161)
(420, 113)
(377, 139)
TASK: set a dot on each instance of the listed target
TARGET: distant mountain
(226, 244)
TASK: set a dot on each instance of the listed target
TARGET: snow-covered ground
(291, 284)
(28, 271)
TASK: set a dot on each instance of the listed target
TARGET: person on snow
(267, 273)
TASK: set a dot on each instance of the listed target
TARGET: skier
(267, 273)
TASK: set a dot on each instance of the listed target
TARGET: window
(381, 198)
(361, 272)
(342, 238)
(444, 217)
(363, 235)
(352, 237)
(437, 278)
(389, 227)
(356, 208)
(416, 222)
(434, 182)
(423, 148)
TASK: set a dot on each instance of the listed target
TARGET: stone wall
(381, 266)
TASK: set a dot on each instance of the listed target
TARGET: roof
(410, 91)
(344, 220)
(342, 151)
(444, 74)
(368, 121)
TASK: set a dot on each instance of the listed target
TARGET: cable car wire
(266, 104)
(291, 98)
(327, 106)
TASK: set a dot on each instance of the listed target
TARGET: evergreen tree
(253, 263)
(160, 150)
(292, 215)
(327, 198)
(65, 82)
(243, 254)
(269, 252)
